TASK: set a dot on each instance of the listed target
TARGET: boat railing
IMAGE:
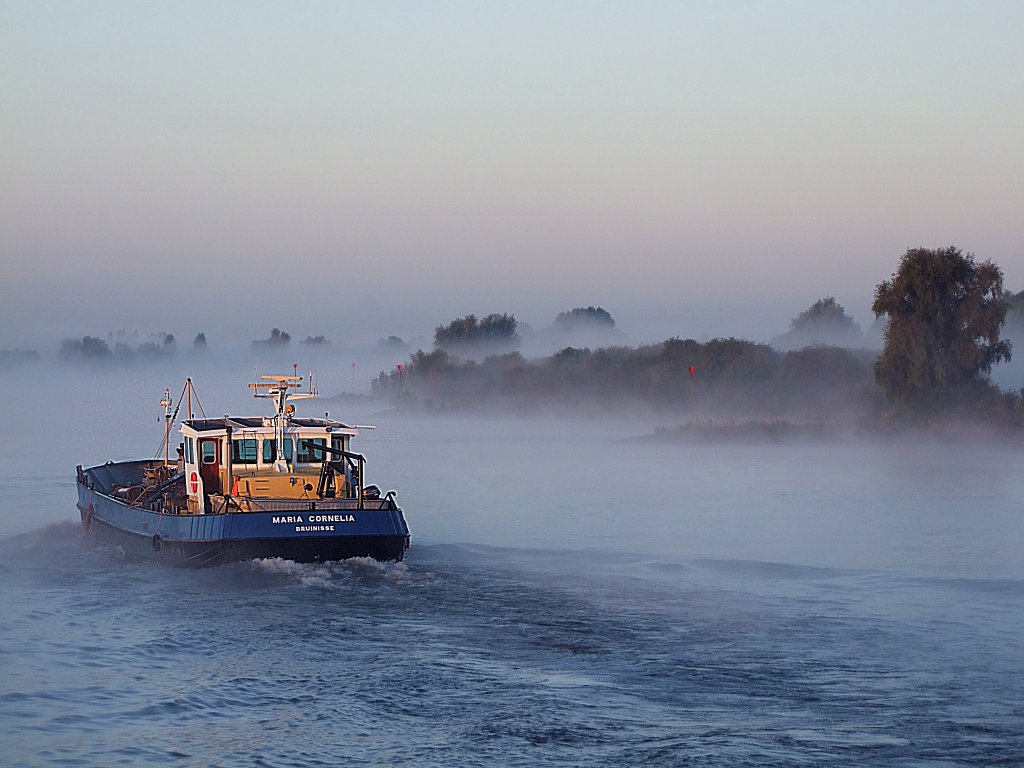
(244, 505)
(356, 461)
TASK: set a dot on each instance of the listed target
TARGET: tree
(499, 330)
(278, 338)
(945, 312)
(584, 317)
(86, 348)
(494, 333)
(824, 323)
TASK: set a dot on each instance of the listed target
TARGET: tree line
(733, 377)
(124, 347)
(940, 319)
(942, 312)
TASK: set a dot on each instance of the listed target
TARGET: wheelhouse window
(209, 448)
(190, 451)
(310, 455)
(270, 450)
(243, 451)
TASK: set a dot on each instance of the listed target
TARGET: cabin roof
(256, 422)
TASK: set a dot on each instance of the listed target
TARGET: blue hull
(311, 534)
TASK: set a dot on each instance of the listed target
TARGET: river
(571, 597)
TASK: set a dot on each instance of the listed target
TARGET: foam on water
(336, 575)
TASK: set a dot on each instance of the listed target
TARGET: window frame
(213, 457)
(315, 457)
(240, 451)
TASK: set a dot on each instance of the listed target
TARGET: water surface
(569, 599)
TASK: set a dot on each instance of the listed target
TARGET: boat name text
(314, 519)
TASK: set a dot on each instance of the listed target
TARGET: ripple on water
(475, 655)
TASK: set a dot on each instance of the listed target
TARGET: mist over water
(571, 597)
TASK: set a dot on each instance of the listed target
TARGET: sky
(364, 169)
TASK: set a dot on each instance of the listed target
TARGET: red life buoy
(194, 482)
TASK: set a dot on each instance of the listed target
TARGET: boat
(241, 488)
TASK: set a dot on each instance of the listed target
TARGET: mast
(166, 403)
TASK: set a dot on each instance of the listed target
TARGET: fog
(740, 390)
(569, 482)
(42, 311)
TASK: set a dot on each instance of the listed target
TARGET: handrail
(357, 457)
(310, 445)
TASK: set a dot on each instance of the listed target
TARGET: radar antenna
(277, 388)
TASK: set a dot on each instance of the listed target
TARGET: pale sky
(698, 169)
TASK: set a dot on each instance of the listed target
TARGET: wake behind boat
(246, 487)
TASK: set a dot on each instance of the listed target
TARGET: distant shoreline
(786, 432)
(760, 431)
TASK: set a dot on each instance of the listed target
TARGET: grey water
(571, 597)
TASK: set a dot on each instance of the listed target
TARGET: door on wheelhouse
(209, 464)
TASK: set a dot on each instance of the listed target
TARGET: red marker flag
(693, 370)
